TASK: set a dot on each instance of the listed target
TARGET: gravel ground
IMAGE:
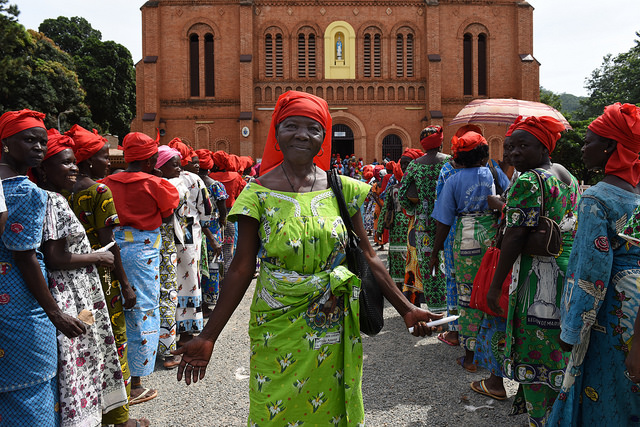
(407, 381)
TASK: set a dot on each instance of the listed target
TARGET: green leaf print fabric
(306, 364)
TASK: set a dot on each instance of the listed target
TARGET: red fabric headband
(205, 159)
(13, 122)
(186, 152)
(57, 143)
(545, 128)
(294, 103)
(622, 124)
(466, 142)
(138, 146)
(431, 137)
(86, 143)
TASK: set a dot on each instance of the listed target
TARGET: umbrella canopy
(504, 111)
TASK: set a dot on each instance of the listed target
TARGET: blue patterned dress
(599, 306)
(28, 345)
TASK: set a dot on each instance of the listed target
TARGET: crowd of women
(104, 274)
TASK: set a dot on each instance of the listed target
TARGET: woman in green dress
(306, 349)
(533, 356)
(417, 196)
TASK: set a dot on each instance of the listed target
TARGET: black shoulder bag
(371, 299)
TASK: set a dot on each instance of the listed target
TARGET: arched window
(194, 65)
(209, 87)
(201, 61)
(273, 54)
(306, 53)
(468, 64)
(372, 49)
(405, 49)
(475, 53)
(392, 147)
(482, 64)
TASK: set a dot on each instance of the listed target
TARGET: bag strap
(537, 174)
(336, 186)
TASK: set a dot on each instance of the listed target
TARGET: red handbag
(482, 282)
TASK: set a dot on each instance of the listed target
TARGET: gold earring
(5, 149)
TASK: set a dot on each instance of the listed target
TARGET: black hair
(471, 158)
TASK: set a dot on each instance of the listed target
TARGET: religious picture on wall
(339, 47)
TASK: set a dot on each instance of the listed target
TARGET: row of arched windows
(202, 59)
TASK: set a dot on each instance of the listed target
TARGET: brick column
(246, 78)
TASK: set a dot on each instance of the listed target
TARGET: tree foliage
(35, 73)
(615, 81)
(105, 70)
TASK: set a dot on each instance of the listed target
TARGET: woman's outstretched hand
(418, 318)
(195, 358)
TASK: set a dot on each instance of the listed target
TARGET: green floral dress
(421, 235)
(397, 259)
(306, 364)
(533, 356)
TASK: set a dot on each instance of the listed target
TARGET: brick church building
(212, 70)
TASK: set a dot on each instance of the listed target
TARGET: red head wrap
(367, 172)
(376, 171)
(466, 142)
(234, 163)
(622, 124)
(412, 153)
(205, 159)
(546, 129)
(138, 146)
(57, 143)
(513, 126)
(389, 166)
(13, 122)
(397, 171)
(431, 137)
(186, 152)
(294, 103)
(468, 128)
(86, 143)
(221, 160)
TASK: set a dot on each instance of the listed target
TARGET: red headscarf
(186, 152)
(431, 137)
(221, 160)
(513, 126)
(86, 143)
(545, 128)
(468, 128)
(138, 146)
(466, 142)
(57, 143)
(397, 171)
(13, 122)
(367, 172)
(622, 124)
(205, 159)
(412, 153)
(294, 103)
(376, 171)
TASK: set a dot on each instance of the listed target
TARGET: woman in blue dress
(29, 316)
(601, 296)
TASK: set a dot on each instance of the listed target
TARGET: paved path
(408, 381)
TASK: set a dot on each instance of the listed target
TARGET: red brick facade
(213, 69)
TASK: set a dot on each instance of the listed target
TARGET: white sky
(570, 36)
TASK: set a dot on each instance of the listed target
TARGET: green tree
(105, 70)
(615, 81)
(35, 73)
(69, 33)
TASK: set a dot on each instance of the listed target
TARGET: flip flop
(441, 337)
(146, 395)
(172, 363)
(485, 391)
(460, 361)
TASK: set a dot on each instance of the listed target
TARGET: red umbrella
(504, 111)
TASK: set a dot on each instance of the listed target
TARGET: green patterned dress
(533, 356)
(397, 259)
(306, 365)
(421, 235)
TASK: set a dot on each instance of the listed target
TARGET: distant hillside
(570, 103)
